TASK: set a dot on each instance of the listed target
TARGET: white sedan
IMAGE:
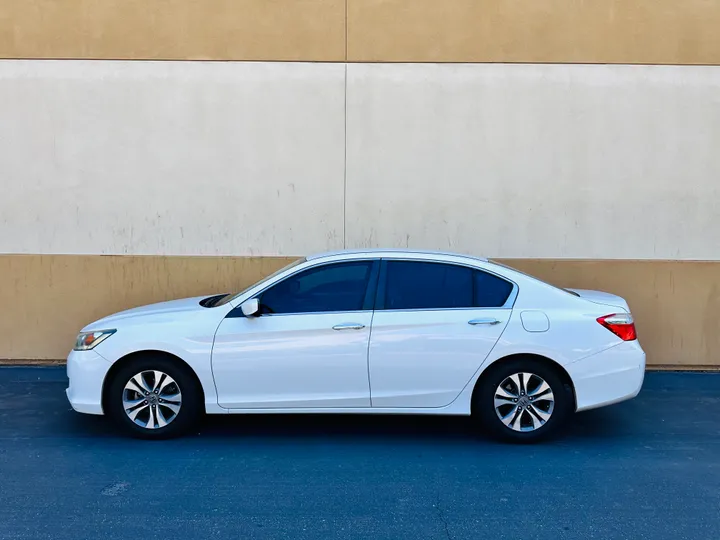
(394, 332)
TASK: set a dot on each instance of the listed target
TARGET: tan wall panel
(47, 299)
(174, 29)
(602, 31)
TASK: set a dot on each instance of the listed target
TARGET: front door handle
(348, 326)
(475, 322)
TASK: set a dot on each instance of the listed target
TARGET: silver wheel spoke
(520, 379)
(503, 397)
(158, 380)
(500, 401)
(535, 421)
(172, 398)
(542, 415)
(140, 383)
(130, 404)
(175, 408)
(548, 396)
(541, 389)
(163, 382)
(151, 419)
(509, 418)
(132, 414)
(517, 423)
(160, 417)
(502, 392)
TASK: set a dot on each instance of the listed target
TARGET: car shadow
(601, 423)
(598, 424)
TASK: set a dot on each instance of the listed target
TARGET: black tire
(484, 402)
(191, 405)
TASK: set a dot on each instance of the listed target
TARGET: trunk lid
(602, 298)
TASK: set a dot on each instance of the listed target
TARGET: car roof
(375, 252)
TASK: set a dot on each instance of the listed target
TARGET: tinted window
(230, 297)
(421, 285)
(427, 285)
(332, 287)
(490, 290)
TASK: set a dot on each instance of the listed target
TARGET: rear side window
(429, 285)
(421, 285)
(490, 290)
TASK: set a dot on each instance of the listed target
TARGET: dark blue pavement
(648, 468)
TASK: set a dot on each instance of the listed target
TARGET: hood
(603, 298)
(172, 307)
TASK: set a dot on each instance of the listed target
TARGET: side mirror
(250, 308)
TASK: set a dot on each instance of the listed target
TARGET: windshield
(231, 297)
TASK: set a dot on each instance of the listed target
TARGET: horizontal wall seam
(348, 62)
(231, 256)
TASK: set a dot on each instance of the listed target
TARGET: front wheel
(154, 398)
(523, 400)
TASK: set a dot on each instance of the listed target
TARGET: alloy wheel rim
(151, 399)
(524, 402)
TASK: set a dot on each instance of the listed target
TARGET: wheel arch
(129, 358)
(549, 362)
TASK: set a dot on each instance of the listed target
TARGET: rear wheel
(523, 400)
(154, 398)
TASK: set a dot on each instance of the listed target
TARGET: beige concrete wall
(197, 158)
(547, 161)
(48, 298)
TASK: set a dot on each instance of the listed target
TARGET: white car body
(401, 361)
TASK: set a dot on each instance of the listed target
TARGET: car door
(434, 325)
(307, 348)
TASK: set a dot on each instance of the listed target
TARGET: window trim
(368, 300)
(382, 286)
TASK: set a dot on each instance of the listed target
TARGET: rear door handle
(348, 326)
(475, 322)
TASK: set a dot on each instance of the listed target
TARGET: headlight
(88, 340)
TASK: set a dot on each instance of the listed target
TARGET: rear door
(434, 325)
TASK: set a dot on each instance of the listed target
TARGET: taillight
(620, 324)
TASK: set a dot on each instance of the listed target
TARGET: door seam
(372, 318)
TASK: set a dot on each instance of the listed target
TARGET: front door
(434, 325)
(308, 347)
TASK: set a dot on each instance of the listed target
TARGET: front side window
(331, 287)
(430, 285)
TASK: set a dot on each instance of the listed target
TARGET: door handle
(475, 322)
(348, 326)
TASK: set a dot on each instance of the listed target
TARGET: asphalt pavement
(647, 468)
